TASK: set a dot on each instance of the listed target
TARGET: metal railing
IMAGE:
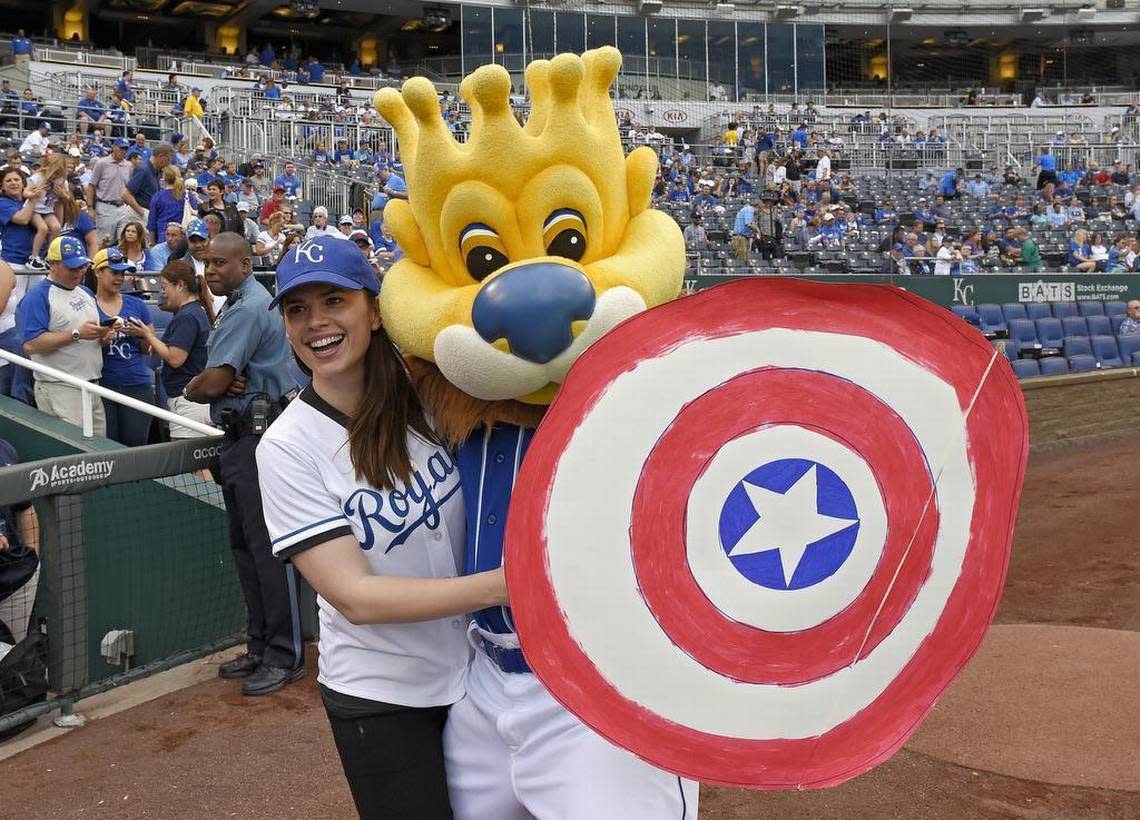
(89, 389)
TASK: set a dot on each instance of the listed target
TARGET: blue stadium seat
(992, 322)
(1023, 337)
(1082, 363)
(1051, 335)
(1013, 310)
(967, 312)
(1063, 309)
(1026, 368)
(1106, 351)
(1099, 325)
(1129, 345)
(1116, 322)
(1115, 309)
(1078, 345)
(1075, 326)
(1054, 366)
(1091, 308)
(1038, 310)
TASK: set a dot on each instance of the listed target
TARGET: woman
(1038, 219)
(393, 644)
(168, 205)
(75, 145)
(1080, 254)
(271, 241)
(17, 209)
(182, 347)
(9, 336)
(183, 156)
(1098, 252)
(126, 369)
(320, 154)
(132, 244)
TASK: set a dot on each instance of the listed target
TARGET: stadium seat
(967, 312)
(1038, 310)
(1054, 366)
(1075, 345)
(1116, 322)
(1063, 309)
(992, 322)
(1075, 326)
(1106, 351)
(1082, 363)
(1023, 337)
(1091, 308)
(1051, 335)
(1026, 368)
(1115, 309)
(1099, 325)
(1013, 310)
(1129, 345)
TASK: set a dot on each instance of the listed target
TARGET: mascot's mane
(455, 414)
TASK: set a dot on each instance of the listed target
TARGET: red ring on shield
(818, 401)
(997, 450)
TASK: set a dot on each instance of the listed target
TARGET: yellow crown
(571, 122)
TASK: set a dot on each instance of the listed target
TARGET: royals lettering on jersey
(488, 465)
(389, 518)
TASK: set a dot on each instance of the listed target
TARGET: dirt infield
(1039, 715)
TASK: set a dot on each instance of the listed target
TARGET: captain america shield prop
(763, 527)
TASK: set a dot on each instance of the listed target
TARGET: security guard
(246, 383)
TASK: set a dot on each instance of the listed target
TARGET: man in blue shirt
(246, 383)
(267, 55)
(743, 231)
(272, 90)
(978, 187)
(289, 180)
(21, 48)
(392, 185)
(92, 114)
(948, 185)
(213, 171)
(315, 70)
(800, 136)
(143, 184)
(8, 94)
(1047, 168)
(922, 213)
(126, 86)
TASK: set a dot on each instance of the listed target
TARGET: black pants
(269, 585)
(393, 761)
(1045, 177)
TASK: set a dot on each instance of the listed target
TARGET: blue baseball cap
(121, 143)
(326, 259)
(69, 251)
(112, 258)
(198, 228)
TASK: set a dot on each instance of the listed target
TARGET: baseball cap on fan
(328, 260)
(69, 251)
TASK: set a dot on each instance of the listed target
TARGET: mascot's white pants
(514, 753)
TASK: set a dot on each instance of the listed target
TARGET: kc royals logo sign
(763, 527)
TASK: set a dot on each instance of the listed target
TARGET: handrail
(86, 388)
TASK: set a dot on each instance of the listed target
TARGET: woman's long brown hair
(377, 432)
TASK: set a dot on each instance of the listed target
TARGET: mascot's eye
(484, 260)
(482, 250)
(564, 234)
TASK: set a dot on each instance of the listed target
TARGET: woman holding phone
(361, 496)
(126, 369)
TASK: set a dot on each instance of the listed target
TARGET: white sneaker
(36, 264)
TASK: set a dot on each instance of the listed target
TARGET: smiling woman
(360, 495)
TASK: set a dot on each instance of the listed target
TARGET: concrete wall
(1066, 409)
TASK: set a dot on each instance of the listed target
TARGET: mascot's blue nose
(532, 307)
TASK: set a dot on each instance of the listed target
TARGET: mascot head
(525, 243)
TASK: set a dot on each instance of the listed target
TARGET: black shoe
(242, 666)
(268, 679)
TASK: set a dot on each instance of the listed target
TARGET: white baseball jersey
(311, 495)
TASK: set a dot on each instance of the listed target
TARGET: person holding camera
(246, 383)
(271, 241)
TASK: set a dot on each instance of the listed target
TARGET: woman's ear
(375, 311)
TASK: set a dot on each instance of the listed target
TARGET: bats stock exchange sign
(762, 528)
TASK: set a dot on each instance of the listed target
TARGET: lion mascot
(522, 246)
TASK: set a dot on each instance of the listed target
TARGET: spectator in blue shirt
(272, 90)
(342, 152)
(1047, 168)
(126, 369)
(167, 204)
(679, 192)
(7, 93)
(743, 231)
(392, 185)
(212, 172)
(289, 180)
(978, 187)
(126, 86)
(92, 114)
(800, 136)
(315, 70)
(1080, 252)
(21, 47)
(886, 214)
(174, 244)
(17, 206)
(267, 56)
(29, 105)
(948, 185)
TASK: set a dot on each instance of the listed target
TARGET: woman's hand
(33, 191)
(133, 327)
